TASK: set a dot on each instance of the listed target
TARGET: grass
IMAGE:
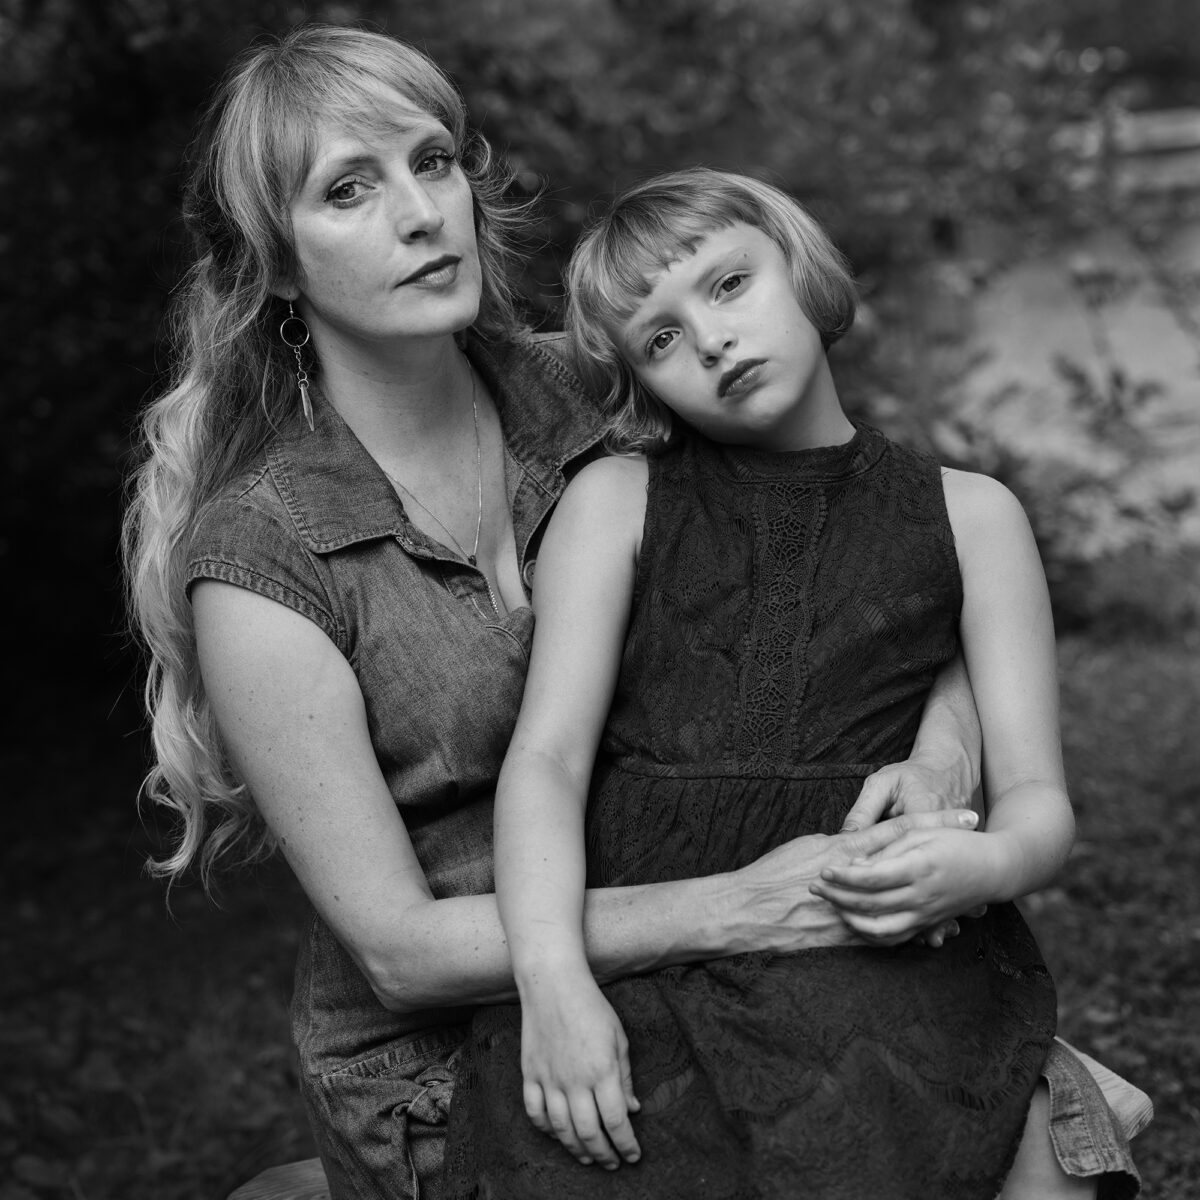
(146, 1056)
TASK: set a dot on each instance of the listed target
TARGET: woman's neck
(403, 403)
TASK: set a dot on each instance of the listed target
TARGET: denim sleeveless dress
(790, 614)
(318, 527)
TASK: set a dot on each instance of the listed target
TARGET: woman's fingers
(936, 937)
(878, 837)
(873, 801)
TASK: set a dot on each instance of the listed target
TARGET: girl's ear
(285, 289)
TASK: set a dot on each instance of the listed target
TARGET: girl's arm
(574, 1055)
(1008, 644)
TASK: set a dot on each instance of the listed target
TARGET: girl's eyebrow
(728, 260)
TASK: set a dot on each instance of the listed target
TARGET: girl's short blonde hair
(657, 223)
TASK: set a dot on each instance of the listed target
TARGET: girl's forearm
(540, 867)
(1035, 827)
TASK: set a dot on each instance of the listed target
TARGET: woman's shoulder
(246, 532)
(249, 505)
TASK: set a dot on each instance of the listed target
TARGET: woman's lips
(740, 377)
(438, 272)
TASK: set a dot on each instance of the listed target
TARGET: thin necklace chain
(472, 558)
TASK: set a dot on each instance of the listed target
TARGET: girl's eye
(660, 341)
(345, 192)
(435, 162)
(731, 283)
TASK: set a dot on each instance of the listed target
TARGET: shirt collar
(337, 494)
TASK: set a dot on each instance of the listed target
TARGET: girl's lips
(740, 377)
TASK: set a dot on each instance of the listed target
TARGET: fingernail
(969, 819)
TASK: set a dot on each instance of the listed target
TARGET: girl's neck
(820, 421)
(403, 402)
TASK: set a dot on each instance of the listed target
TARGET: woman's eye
(435, 162)
(731, 283)
(659, 342)
(345, 192)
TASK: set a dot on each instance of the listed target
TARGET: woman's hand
(575, 1060)
(918, 784)
(924, 878)
(912, 786)
(777, 908)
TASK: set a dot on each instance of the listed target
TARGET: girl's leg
(1036, 1173)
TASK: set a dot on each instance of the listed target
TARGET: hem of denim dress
(349, 1176)
(1089, 1140)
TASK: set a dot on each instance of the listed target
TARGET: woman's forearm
(949, 737)
(453, 951)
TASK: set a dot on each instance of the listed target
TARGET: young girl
(744, 622)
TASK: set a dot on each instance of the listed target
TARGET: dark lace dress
(790, 615)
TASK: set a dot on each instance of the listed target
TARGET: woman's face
(385, 236)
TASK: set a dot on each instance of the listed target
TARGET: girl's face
(385, 236)
(722, 341)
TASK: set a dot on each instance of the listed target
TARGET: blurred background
(1017, 184)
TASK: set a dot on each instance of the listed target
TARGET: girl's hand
(923, 879)
(913, 786)
(578, 1082)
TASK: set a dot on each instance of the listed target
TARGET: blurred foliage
(895, 119)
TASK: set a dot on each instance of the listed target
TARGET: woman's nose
(415, 213)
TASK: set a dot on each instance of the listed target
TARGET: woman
(330, 547)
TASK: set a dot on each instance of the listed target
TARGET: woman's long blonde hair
(233, 382)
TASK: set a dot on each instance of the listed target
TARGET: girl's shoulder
(980, 506)
(612, 481)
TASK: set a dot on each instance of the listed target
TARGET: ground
(146, 1055)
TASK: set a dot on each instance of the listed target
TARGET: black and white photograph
(604, 599)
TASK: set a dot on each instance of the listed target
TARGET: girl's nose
(415, 213)
(714, 341)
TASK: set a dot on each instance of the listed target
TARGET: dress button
(527, 573)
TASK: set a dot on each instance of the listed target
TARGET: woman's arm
(943, 770)
(1008, 643)
(293, 721)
